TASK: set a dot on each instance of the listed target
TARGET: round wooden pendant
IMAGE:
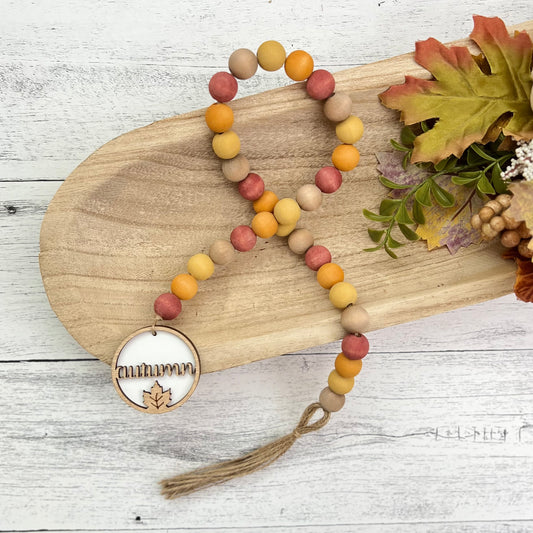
(156, 369)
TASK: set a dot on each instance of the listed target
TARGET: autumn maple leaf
(472, 98)
(156, 399)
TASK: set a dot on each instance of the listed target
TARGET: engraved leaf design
(156, 399)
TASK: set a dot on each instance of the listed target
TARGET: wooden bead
(328, 179)
(309, 197)
(523, 231)
(350, 130)
(287, 211)
(226, 145)
(476, 221)
(271, 55)
(504, 200)
(243, 63)
(223, 87)
(320, 84)
(265, 225)
(243, 238)
(344, 157)
(167, 306)
(222, 252)
(331, 401)
(285, 229)
(219, 117)
(184, 286)
(495, 206)
(236, 169)
(266, 202)
(497, 223)
(200, 266)
(487, 231)
(317, 256)
(299, 65)
(329, 274)
(347, 368)
(342, 294)
(355, 319)
(338, 107)
(510, 222)
(300, 241)
(485, 214)
(510, 238)
(524, 250)
(338, 384)
(252, 187)
(355, 346)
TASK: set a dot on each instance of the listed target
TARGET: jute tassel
(256, 460)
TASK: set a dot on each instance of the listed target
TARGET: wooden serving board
(126, 220)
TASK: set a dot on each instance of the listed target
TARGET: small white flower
(522, 163)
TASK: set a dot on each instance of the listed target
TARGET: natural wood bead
(309, 197)
(236, 169)
(510, 222)
(495, 206)
(299, 65)
(487, 231)
(338, 107)
(355, 319)
(243, 238)
(265, 224)
(167, 306)
(271, 55)
(345, 157)
(485, 214)
(226, 145)
(219, 117)
(243, 63)
(342, 294)
(497, 223)
(200, 266)
(285, 229)
(223, 87)
(300, 241)
(347, 368)
(266, 202)
(504, 200)
(184, 286)
(287, 211)
(222, 252)
(524, 250)
(338, 384)
(523, 231)
(331, 401)
(476, 221)
(329, 274)
(510, 238)
(350, 130)
(320, 84)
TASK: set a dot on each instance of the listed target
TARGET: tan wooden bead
(504, 200)
(510, 222)
(309, 197)
(510, 238)
(523, 231)
(300, 241)
(338, 107)
(524, 250)
(495, 206)
(488, 232)
(355, 319)
(497, 223)
(331, 401)
(236, 169)
(485, 214)
(476, 221)
(221, 252)
(243, 63)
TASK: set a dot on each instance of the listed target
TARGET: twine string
(252, 462)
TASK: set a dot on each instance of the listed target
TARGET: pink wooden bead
(243, 238)
(328, 179)
(317, 256)
(252, 187)
(167, 306)
(223, 87)
(354, 346)
(320, 85)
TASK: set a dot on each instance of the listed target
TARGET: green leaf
(392, 243)
(472, 159)
(375, 234)
(402, 216)
(406, 160)
(375, 217)
(418, 212)
(474, 174)
(423, 195)
(407, 136)
(484, 186)
(424, 126)
(391, 253)
(441, 196)
(391, 185)
(468, 182)
(388, 206)
(408, 233)
(496, 177)
(441, 165)
(397, 146)
(481, 152)
(375, 249)
(451, 164)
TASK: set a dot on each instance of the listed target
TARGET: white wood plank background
(438, 433)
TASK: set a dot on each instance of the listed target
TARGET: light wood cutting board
(126, 220)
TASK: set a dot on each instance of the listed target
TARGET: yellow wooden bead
(299, 65)
(184, 286)
(200, 266)
(219, 117)
(266, 202)
(345, 157)
(339, 384)
(348, 368)
(271, 55)
(264, 225)
(329, 274)
(285, 229)
(342, 294)
(349, 131)
(287, 211)
(226, 145)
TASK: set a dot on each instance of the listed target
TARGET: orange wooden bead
(345, 157)
(329, 274)
(219, 117)
(266, 202)
(299, 65)
(348, 368)
(265, 224)
(184, 286)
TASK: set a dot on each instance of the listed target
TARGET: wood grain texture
(127, 219)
